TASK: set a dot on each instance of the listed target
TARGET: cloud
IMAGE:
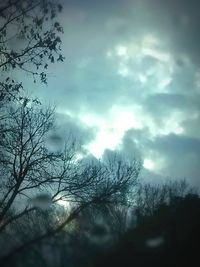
(69, 131)
(173, 102)
(177, 143)
(192, 125)
(181, 155)
(165, 156)
(131, 80)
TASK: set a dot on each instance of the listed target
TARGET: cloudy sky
(131, 81)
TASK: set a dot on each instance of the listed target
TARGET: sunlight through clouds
(119, 59)
(126, 60)
(111, 129)
(154, 162)
(63, 202)
(148, 164)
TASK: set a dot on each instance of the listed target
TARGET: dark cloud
(165, 103)
(181, 154)
(182, 26)
(68, 130)
(178, 144)
(134, 143)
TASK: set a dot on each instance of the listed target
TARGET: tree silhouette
(168, 236)
(29, 41)
(150, 197)
(36, 177)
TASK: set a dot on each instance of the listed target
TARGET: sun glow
(64, 203)
(148, 164)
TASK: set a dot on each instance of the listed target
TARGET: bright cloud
(121, 51)
(130, 61)
(111, 129)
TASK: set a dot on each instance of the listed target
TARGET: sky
(131, 82)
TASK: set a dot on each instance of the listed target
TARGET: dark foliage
(169, 237)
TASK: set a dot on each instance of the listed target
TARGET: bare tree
(150, 197)
(29, 41)
(32, 173)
